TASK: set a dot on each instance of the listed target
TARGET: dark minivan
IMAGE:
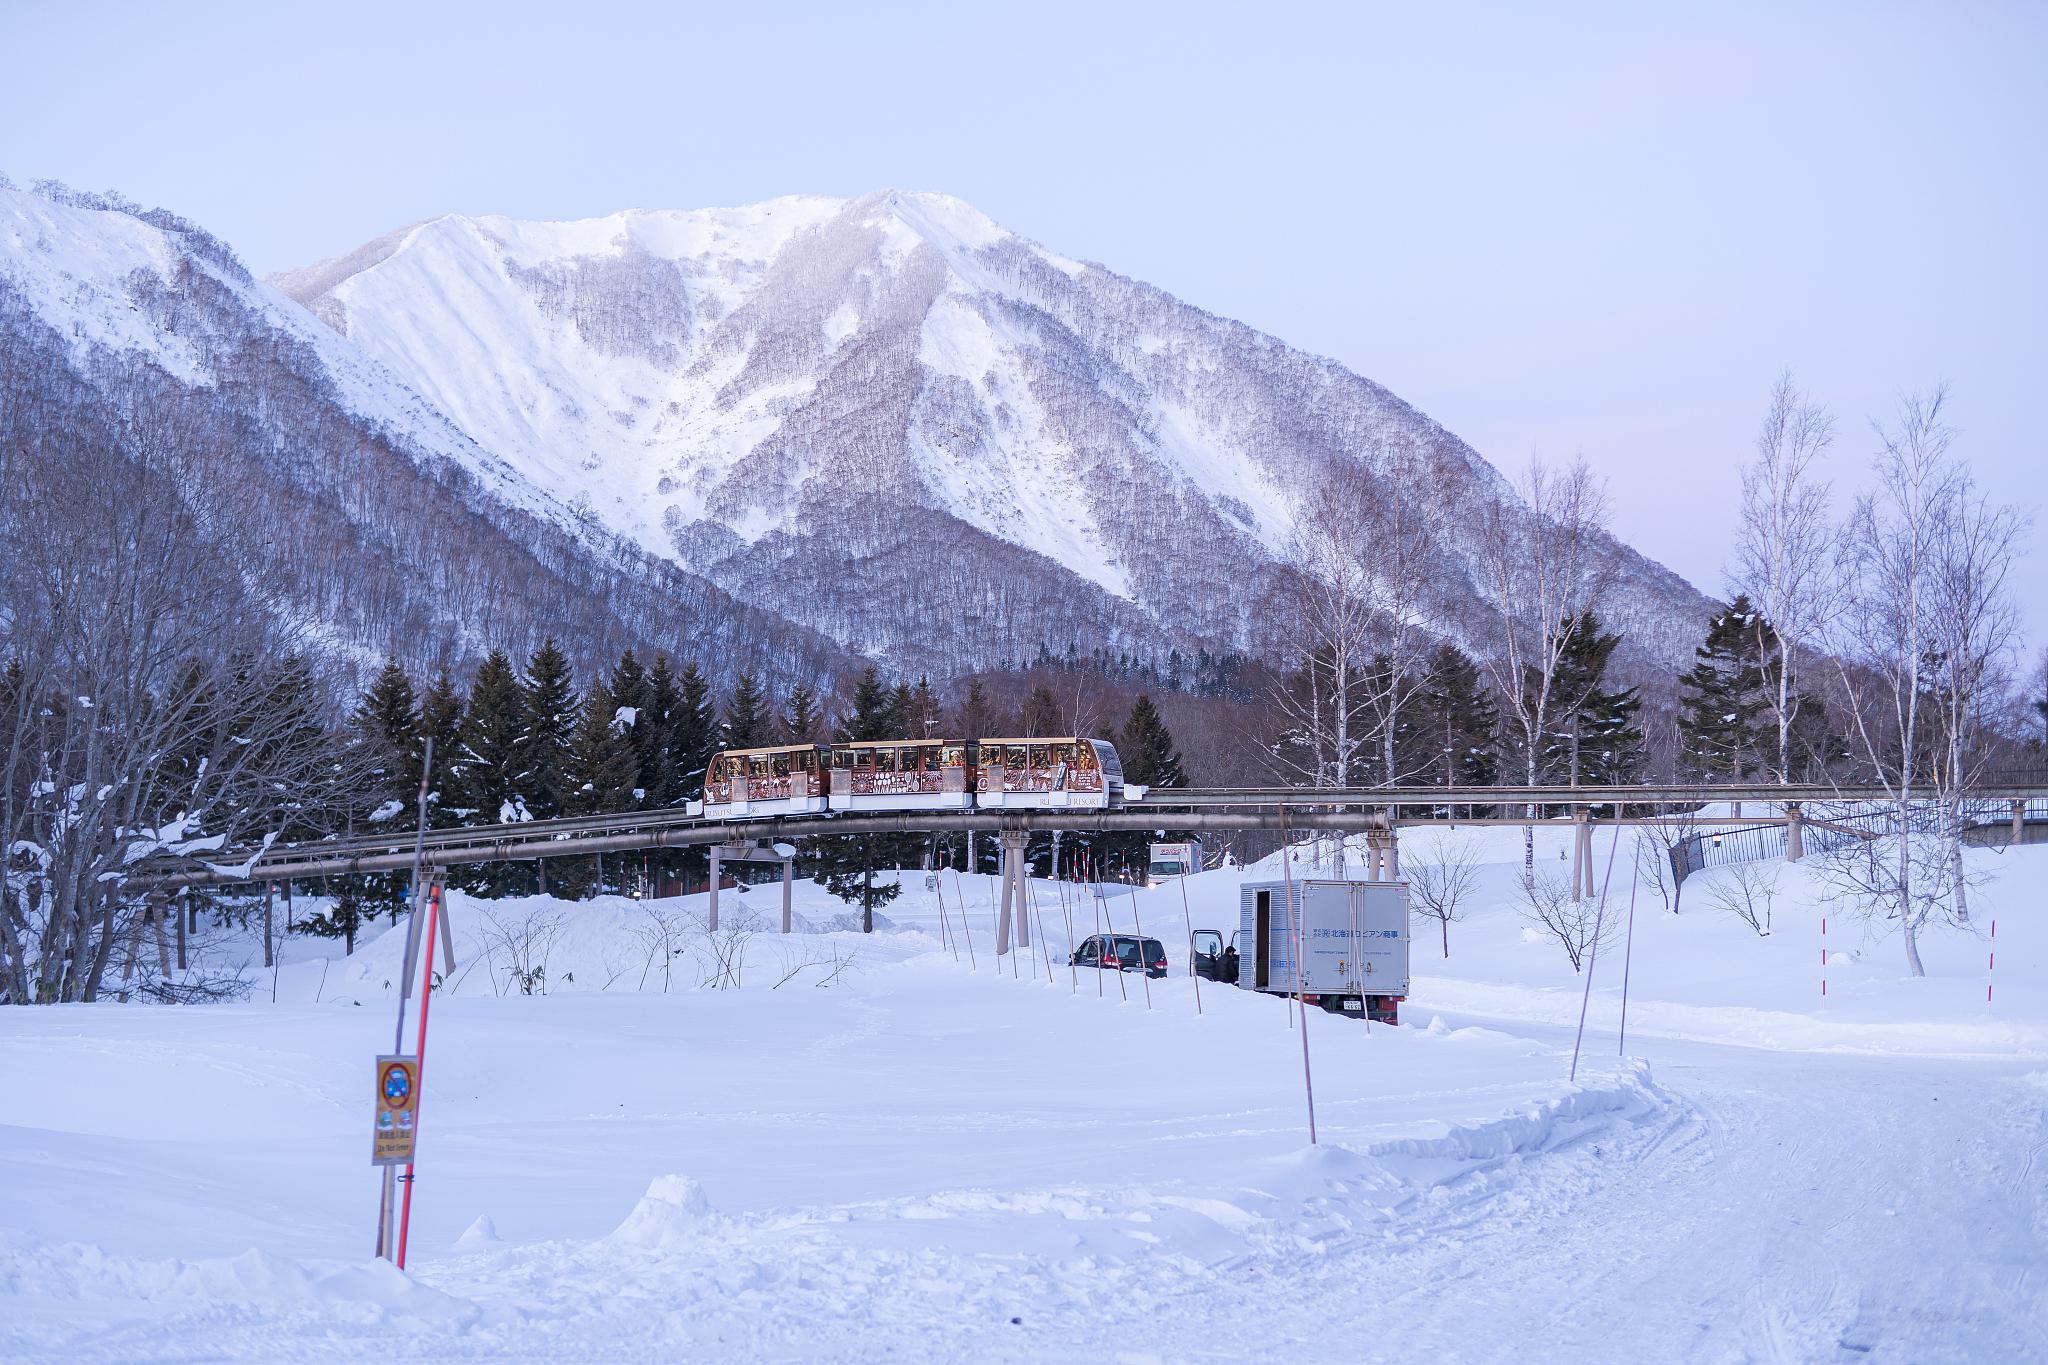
(1122, 953)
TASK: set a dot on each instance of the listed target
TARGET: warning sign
(397, 1111)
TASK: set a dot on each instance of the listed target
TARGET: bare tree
(1547, 567)
(1324, 731)
(149, 704)
(1926, 622)
(1402, 531)
(1783, 549)
(1974, 634)
(1747, 891)
(1656, 850)
(1580, 927)
(1443, 885)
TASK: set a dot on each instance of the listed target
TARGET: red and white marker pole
(1823, 959)
(1990, 964)
(426, 998)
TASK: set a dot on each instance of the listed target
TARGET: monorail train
(1068, 773)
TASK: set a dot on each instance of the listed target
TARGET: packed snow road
(1794, 1207)
(1747, 1205)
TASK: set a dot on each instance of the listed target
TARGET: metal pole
(1188, 916)
(788, 876)
(1628, 951)
(966, 929)
(269, 946)
(1308, 1083)
(1593, 955)
(386, 1243)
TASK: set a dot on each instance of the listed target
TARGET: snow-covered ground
(892, 1147)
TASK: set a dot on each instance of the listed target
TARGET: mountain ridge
(739, 385)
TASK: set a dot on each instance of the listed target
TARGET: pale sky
(1558, 228)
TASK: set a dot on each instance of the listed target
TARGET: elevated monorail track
(1346, 809)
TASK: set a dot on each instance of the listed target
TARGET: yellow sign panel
(397, 1111)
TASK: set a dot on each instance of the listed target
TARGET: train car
(1067, 773)
(782, 779)
(903, 774)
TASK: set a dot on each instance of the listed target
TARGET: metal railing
(1825, 829)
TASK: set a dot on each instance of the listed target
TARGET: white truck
(1173, 860)
(1353, 935)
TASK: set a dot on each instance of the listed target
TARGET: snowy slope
(385, 525)
(806, 391)
(110, 281)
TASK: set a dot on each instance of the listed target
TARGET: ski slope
(893, 1147)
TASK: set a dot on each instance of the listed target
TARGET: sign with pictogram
(397, 1111)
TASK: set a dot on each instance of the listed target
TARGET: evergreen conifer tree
(1041, 713)
(1598, 738)
(921, 716)
(1147, 750)
(387, 722)
(978, 717)
(693, 734)
(552, 712)
(747, 722)
(1722, 701)
(385, 735)
(845, 864)
(486, 777)
(658, 777)
(441, 721)
(603, 770)
(631, 692)
(801, 723)
(1456, 732)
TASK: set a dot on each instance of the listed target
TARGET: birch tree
(1784, 551)
(1927, 620)
(1546, 565)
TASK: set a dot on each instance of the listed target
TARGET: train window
(1084, 755)
(954, 755)
(1017, 756)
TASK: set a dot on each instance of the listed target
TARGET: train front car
(1049, 774)
(903, 774)
(784, 779)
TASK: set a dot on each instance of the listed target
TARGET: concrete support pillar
(1393, 847)
(1795, 832)
(1020, 895)
(711, 916)
(1003, 911)
(788, 876)
(1582, 827)
(2019, 822)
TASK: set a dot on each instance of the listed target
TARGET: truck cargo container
(1354, 935)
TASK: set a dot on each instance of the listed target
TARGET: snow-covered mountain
(386, 528)
(897, 423)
